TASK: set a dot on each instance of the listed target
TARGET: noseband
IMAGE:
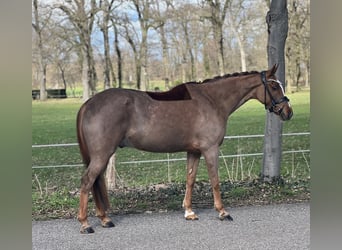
(273, 101)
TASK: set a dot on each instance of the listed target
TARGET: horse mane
(225, 76)
(181, 92)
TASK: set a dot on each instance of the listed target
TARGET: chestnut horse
(191, 117)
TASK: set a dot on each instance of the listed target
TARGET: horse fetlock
(82, 219)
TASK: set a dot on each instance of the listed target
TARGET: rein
(273, 101)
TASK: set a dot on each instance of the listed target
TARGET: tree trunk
(42, 66)
(206, 59)
(109, 74)
(188, 46)
(143, 57)
(218, 37)
(221, 53)
(62, 70)
(165, 54)
(42, 80)
(240, 43)
(277, 21)
(106, 55)
(92, 77)
(118, 53)
(218, 15)
(144, 79)
(110, 175)
(307, 75)
(86, 89)
(83, 22)
(143, 61)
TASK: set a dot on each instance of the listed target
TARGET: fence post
(110, 175)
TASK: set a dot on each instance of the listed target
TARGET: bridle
(273, 101)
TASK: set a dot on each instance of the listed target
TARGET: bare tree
(188, 52)
(237, 21)
(82, 16)
(298, 45)
(61, 53)
(218, 11)
(191, 40)
(162, 17)
(118, 53)
(130, 35)
(277, 21)
(186, 39)
(206, 52)
(138, 38)
(38, 27)
(107, 9)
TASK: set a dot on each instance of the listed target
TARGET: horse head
(274, 97)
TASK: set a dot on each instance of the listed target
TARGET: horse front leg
(192, 166)
(211, 158)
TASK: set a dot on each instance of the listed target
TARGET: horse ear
(274, 69)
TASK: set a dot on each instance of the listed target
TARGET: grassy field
(53, 122)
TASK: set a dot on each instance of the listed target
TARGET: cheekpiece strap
(263, 77)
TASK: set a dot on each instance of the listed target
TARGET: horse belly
(158, 139)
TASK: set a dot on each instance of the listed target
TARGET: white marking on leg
(187, 213)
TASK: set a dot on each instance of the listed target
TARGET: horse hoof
(192, 217)
(108, 224)
(225, 216)
(87, 230)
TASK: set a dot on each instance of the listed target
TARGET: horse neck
(230, 93)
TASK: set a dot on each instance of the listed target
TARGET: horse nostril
(290, 115)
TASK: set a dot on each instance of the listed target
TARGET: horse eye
(274, 85)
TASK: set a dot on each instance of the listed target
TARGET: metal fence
(174, 159)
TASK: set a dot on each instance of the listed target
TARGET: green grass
(53, 122)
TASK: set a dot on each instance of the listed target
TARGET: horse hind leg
(82, 212)
(86, 184)
(100, 194)
(93, 180)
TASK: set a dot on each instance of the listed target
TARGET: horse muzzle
(285, 112)
(282, 108)
(288, 116)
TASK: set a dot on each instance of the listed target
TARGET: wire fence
(240, 159)
(168, 160)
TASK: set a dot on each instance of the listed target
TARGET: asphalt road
(285, 226)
